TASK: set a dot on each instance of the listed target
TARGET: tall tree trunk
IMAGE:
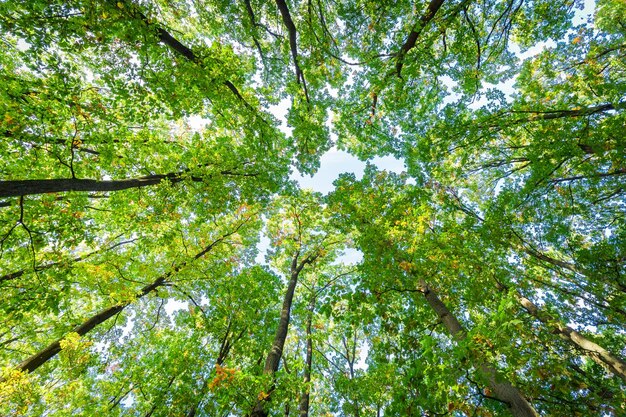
(306, 392)
(273, 358)
(16, 188)
(502, 389)
(59, 185)
(49, 352)
(597, 353)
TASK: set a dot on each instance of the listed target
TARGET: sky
(335, 162)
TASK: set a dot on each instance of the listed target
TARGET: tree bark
(501, 389)
(411, 40)
(560, 114)
(225, 346)
(597, 353)
(16, 188)
(175, 45)
(273, 358)
(59, 185)
(293, 43)
(49, 352)
(44, 355)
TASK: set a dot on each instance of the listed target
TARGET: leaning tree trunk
(597, 353)
(50, 351)
(58, 185)
(16, 188)
(501, 388)
(175, 45)
(273, 358)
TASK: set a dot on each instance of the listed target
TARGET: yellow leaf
(406, 266)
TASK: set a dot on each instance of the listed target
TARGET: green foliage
(144, 168)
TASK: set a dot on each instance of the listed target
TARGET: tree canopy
(156, 259)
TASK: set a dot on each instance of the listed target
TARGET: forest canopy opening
(462, 251)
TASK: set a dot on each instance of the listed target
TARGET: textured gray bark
(16, 188)
(501, 389)
(49, 352)
(59, 185)
(597, 353)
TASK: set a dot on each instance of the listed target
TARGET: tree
(145, 170)
(301, 238)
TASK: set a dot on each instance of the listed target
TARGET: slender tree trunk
(49, 352)
(273, 358)
(501, 389)
(597, 353)
(225, 346)
(175, 45)
(163, 394)
(304, 401)
(411, 40)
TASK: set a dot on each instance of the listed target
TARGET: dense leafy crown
(156, 259)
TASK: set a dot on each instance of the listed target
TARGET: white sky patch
(22, 45)
(332, 163)
(364, 350)
(452, 97)
(280, 111)
(350, 256)
(586, 14)
(389, 163)
(197, 122)
(173, 306)
(532, 51)
(336, 162)
(262, 247)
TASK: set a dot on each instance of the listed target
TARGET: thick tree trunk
(18, 188)
(597, 353)
(304, 401)
(501, 389)
(59, 185)
(273, 358)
